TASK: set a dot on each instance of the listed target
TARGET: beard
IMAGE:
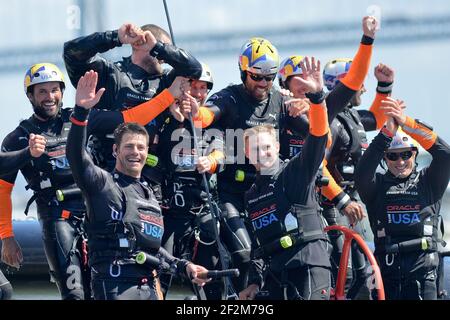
(44, 114)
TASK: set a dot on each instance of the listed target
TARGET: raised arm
(87, 176)
(304, 168)
(354, 79)
(80, 54)
(105, 121)
(375, 118)
(438, 173)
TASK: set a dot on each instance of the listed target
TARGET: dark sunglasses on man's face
(394, 156)
(259, 78)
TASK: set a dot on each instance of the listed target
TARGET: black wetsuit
(12, 161)
(349, 141)
(123, 217)
(234, 111)
(127, 85)
(401, 210)
(283, 202)
(188, 222)
(61, 222)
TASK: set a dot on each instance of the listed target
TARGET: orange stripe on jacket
(332, 190)
(354, 79)
(379, 115)
(6, 229)
(424, 136)
(149, 110)
(318, 120)
(215, 157)
(204, 118)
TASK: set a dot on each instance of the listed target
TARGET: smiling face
(262, 150)
(258, 86)
(399, 164)
(199, 90)
(131, 154)
(46, 99)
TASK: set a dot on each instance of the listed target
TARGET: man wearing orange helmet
(404, 203)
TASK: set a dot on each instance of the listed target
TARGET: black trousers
(235, 235)
(63, 248)
(124, 282)
(409, 276)
(179, 240)
(304, 283)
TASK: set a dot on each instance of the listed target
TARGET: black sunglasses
(259, 78)
(394, 156)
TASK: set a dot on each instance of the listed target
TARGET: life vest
(53, 166)
(132, 91)
(134, 223)
(403, 214)
(272, 217)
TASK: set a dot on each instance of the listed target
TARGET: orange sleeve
(424, 136)
(379, 115)
(318, 120)
(215, 157)
(204, 118)
(359, 68)
(6, 229)
(149, 110)
(332, 189)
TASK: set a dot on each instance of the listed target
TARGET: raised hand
(37, 145)
(384, 73)
(148, 42)
(370, 26)
(131, 34)
(394, 108)
(86, 96)
(179, 86)
(311, 76)
(391, 125)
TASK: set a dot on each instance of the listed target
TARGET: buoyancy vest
(273, 217)
(53, 166)
(404, 213)
(134, 223)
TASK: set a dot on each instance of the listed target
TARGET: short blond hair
(253, 131)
